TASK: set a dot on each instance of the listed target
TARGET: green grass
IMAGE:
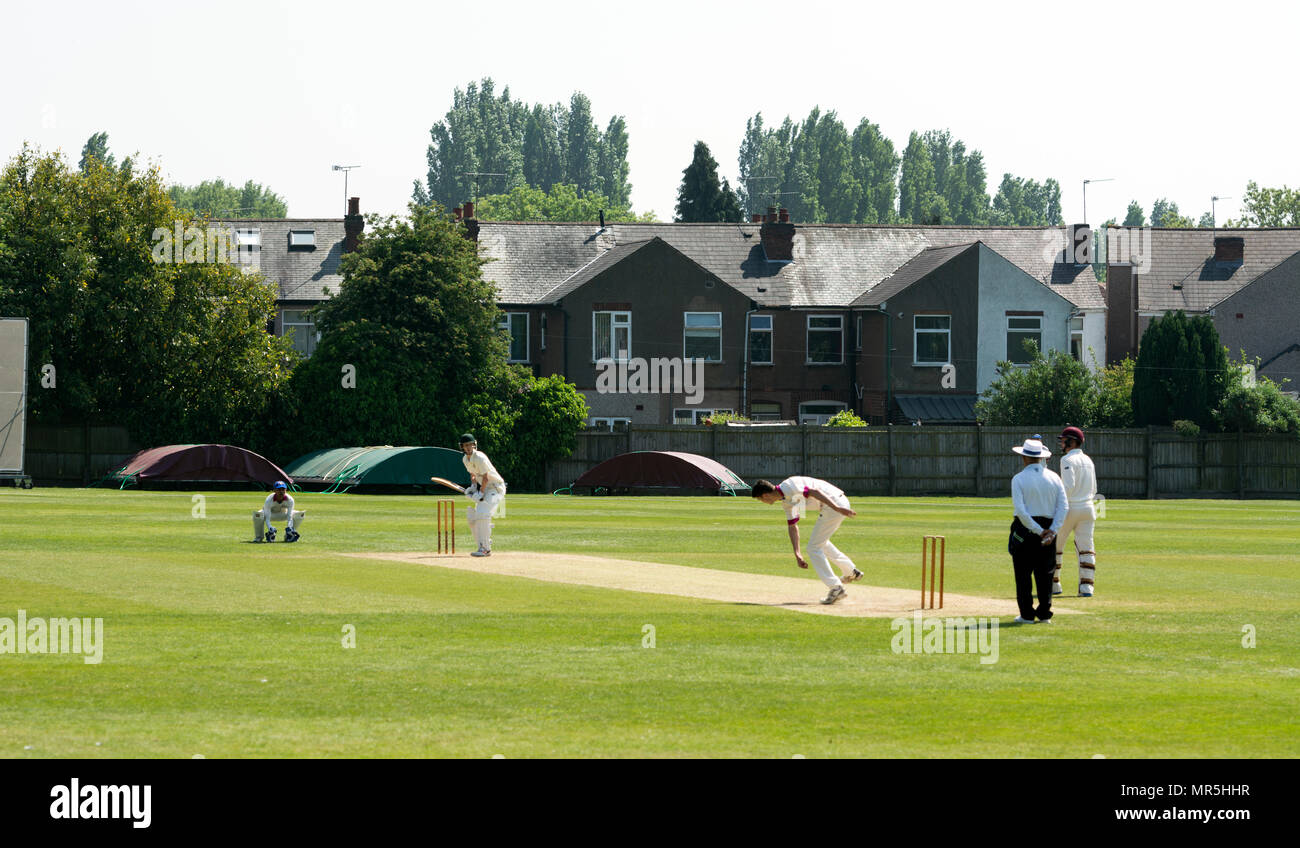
(219, 647)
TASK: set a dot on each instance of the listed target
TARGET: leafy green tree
(582, 142)
(1182, 371)
(562, 203)
(542, 152)
(1206, 221)
(1164, 213)
(1135, 216)
(545, 414)
(170, 343)
(612, 169)
(1022, 202)
(1053, 388)
(1113, 395)
(1261, 408)
(701, 197)
(216, 199)
(875, 168)
(97, 147)
(845, 418)
(1268, 207)
(918, 201)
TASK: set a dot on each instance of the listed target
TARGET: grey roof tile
(833, 264)
(302, 275)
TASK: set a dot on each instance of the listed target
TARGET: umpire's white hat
(1032, 448)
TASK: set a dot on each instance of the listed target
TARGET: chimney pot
(778, 240)
(469, 209)
(784, 216)
(457, 213)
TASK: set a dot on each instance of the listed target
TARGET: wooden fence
(76, 455)
(965, 460)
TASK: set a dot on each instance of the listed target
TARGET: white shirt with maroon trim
(795, 500)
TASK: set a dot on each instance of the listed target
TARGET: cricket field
(212, 645)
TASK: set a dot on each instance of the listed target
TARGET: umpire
(1038, 496)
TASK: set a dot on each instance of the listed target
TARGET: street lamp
(1085, 194)
(344, 169)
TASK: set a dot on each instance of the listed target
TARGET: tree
(562, 203)
(701, 197)
(1261, 408)
(170, 343)
(539, 146)
(1164, 213)
(1268, 207)
(1206, 221)
(216, 199)
(1182, 371)
(918, 202)
(875, 167)
(1022, 202)
(1135, 217)
(97, 147)
(1055, 388)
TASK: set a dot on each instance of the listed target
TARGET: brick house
(793, 321)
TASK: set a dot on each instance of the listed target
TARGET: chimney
(1080, 245)
(602, 220)
(457, 214)
(756, 218)
(471, 223)
(784, 216)
(1230, 249)
(778, 236)
(469, 209)
(353, 224)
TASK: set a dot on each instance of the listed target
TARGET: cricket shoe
(270, 535)
(852, 578)
(481, 552)
(1022, 620)
(1056, 588)
(834, 595)
(1085, 591)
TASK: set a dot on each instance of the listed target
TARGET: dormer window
(302, 239)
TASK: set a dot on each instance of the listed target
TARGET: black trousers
(1033, 562)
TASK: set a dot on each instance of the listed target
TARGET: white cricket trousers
(821, 553)
(1080, 520)
(479, 516)
(260, 522)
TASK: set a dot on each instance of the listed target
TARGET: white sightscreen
(13, 393)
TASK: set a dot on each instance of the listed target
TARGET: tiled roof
(833, 264)
(937, 407)
(1183, 273)
(912, 271)
(300, 274)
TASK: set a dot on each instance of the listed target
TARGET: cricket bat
(450, 485)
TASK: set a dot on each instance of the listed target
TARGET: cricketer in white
(797, 494)
(1080, 480)
(487, 490)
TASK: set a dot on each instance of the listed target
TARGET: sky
(1182, 101)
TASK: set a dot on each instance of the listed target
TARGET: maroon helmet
(1072, 433)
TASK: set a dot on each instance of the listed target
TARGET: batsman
(487, 490)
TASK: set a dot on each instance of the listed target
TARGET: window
(1020, 330)
(248, 249)
(825, 339)
(516, 323)
(765, 412)
(819, 412)
(611, 335)
(702, 336)
(694, 415)
(297, 325)
(616, 425)
(302, 239)
(248, 237)
(857, 336)
(542, 319)
(930, 339)
(760, 339)
(1076, 337)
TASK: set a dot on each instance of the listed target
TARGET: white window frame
(697, 414)
(619, 319)
(310, 338)
(302, 238)
(248, 237)
(749, 339)
(764, 416)
(1022, 331)
(916, 347)
(700, 332)
(809, 329)
(1076, 334)
(819, 418)
(507, 323)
